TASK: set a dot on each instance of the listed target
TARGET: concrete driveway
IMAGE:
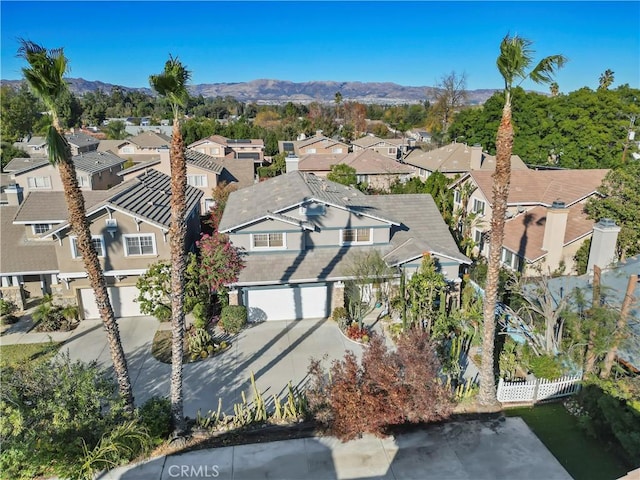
(276, 352)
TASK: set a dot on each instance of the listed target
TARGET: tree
(45, 78)
(116, 130)
(19, 112)
(171, 84)
(450, 95)
(421, 291)
(606, 79)
(8, 152)
(513, 63)
(554, 89)
(621, 202)
(154, 287)
(343, 173)
(220, 262)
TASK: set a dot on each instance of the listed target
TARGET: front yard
(583, 457)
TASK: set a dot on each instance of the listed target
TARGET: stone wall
(13, 294)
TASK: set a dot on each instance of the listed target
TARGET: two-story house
(317, 144)
(546, 222)
(95, 171)
(33, 145)
(81, 143)
(130, 228)
(300, 233)
(455, 159)
(218, 146)
(373, 168)
(143, 147)
(392, 147)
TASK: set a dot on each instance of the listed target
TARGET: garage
(122, 302)
(287, 303)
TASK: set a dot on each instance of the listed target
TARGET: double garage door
(287, 303)
(122, 301)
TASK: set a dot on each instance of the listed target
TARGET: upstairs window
(97, 241)
(40, 228)
(310, 150)
(393, 150)
(355, 235)
(478, 206)
(268, 240)
(336, 150)
(39, 182)
(197, 180)
(457, 198)
(143, 244)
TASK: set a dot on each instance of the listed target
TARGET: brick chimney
(603, 244)
(554, 231)
(476, 157)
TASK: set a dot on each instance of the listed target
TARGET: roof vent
(557, 204)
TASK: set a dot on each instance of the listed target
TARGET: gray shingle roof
(94, 162)
(151, 140)
(19, 255)
(22, 165)
(80, 139)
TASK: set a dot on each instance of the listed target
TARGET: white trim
(31, 222)
(356, 242)
(33, 228)
(37, 272)
(107, 273)
(74, 249)
(139, 235)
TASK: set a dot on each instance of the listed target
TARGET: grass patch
(583, 457)
(15, 354)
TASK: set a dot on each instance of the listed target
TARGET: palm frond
(57, 146)
(172, 83)
(546, 68)
(46, 70)
(514, 59)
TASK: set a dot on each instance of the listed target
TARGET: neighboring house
(300, 234)
(94, 170)
(455, 159)
(203, 172)
(420, 136)
(130, 228)
(81, 143)
(393, 148)
(143, 147)
(33, 146)
(614, 280)
(546, 223)
(377, 170)
(164, 129)
(218, 146)
(317, 144)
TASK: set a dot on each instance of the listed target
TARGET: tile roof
(203, 160)
(455, 158)
(238, 171)
(364, 161)
(544, 186)
(80, 139)
(18, 255)
(94, 162)
(151, 139)
(318, 162)
(369, 141)
(228, 142)
(524, 233)
(147, 196)
(110, 145)
(22, 165)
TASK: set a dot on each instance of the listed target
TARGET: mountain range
(266, 91)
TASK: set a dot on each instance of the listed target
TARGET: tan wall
(106, 179)
(568, 252)
(100, 181)
(212, 181)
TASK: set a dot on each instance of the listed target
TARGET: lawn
(13, 354)
(582, 456)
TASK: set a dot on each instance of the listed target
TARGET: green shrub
(155, 417)
(545, 366)
(233, 318)
(338, 313)
(200, 315)
(7, 307)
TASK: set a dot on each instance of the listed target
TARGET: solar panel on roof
(239, 141)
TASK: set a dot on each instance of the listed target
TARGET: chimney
(14, 194)
(476, 157)
(603, 244)
(554, 231)
(292, 163)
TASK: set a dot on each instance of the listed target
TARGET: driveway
(276, 352)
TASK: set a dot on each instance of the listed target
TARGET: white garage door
(287, 303)
(122, 301)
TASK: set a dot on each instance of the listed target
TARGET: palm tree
(554, 88)
(606, 80)
(513, 63)
(172, 84)
(44, 75)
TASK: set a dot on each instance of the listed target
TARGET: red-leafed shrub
(354, 332)
(387, 388)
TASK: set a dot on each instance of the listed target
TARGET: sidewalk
(489, 449)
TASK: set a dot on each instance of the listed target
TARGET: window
(457, 198)
(214, 151)
(128, 150)
(268, 240)
(478, 206)
(209, 203)
(197, 180)
(362, 178)
(83, 181)
(510, 259)
(477, 237)
(356, 235)
(39, 182)
(336, 150)
(393, 150)
(144, 244)
(311, 150)
(40, 228)
(96, 240)
(313, 209)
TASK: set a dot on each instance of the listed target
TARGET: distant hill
(281, 91)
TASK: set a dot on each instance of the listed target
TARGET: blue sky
(409, 43)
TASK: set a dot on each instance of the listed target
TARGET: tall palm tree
(514, 62)
(45, 78)
(606, 79)
(172, 84)
(554, 88)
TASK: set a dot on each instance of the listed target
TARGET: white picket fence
(537, 390)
